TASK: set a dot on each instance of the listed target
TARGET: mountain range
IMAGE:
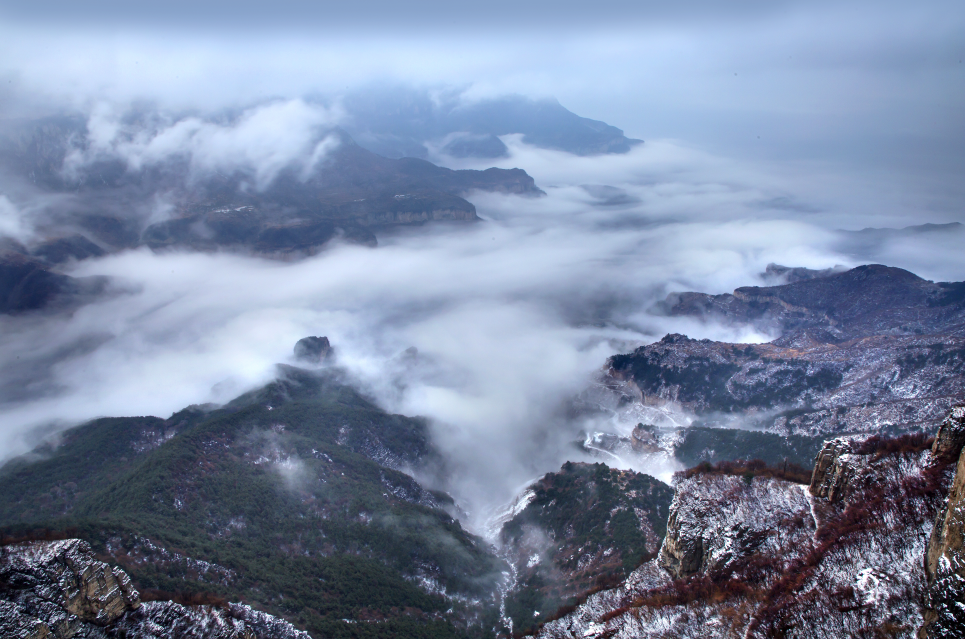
(305, 501)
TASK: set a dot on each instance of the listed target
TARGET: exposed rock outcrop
(715, 519)
(945, 560)
(835, 470)
(950, 438)
(62, 583)
(760, 557)
(57, 589)
(313, 350)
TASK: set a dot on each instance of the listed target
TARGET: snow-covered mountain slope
(59, 589)
(755, 556)
(872, 350)
(884, 383)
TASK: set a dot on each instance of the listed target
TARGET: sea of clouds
(511, 317)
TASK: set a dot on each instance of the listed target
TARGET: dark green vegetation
(702, 444)
(286, 499)
(702, 379)
(749, 469)
(589, 526)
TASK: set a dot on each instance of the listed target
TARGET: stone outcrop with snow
(57, 589)
(761, 557)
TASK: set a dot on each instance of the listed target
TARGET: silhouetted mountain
(28, 284)
(866, 243)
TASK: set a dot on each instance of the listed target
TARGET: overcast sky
(875, 85)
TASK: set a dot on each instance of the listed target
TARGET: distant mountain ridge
(106, 207)
(402, 122)
(836, 306)
(871, 345)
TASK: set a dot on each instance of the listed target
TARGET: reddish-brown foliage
(41, 534)
(752, 468)
(881, 446)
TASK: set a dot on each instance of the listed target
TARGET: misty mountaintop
(405, 122)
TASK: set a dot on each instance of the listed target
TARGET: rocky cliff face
(951, 434)
(945, 560)
(58, 589)
(716, 519)
(835, 470)
(762, 557)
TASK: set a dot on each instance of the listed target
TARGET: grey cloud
(769, 126)
(264, 140)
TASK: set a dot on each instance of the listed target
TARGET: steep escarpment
(945, 560)
(58, 589)
(754, 556)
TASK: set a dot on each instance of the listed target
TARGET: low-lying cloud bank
(264, 140)
(510, 317)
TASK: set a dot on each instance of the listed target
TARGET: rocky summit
(748, 554)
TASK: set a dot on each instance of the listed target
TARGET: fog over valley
(511, 316)
(682, 242)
